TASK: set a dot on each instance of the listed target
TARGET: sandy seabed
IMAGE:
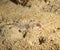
(31, 26)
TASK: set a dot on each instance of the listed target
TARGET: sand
(31, 26)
